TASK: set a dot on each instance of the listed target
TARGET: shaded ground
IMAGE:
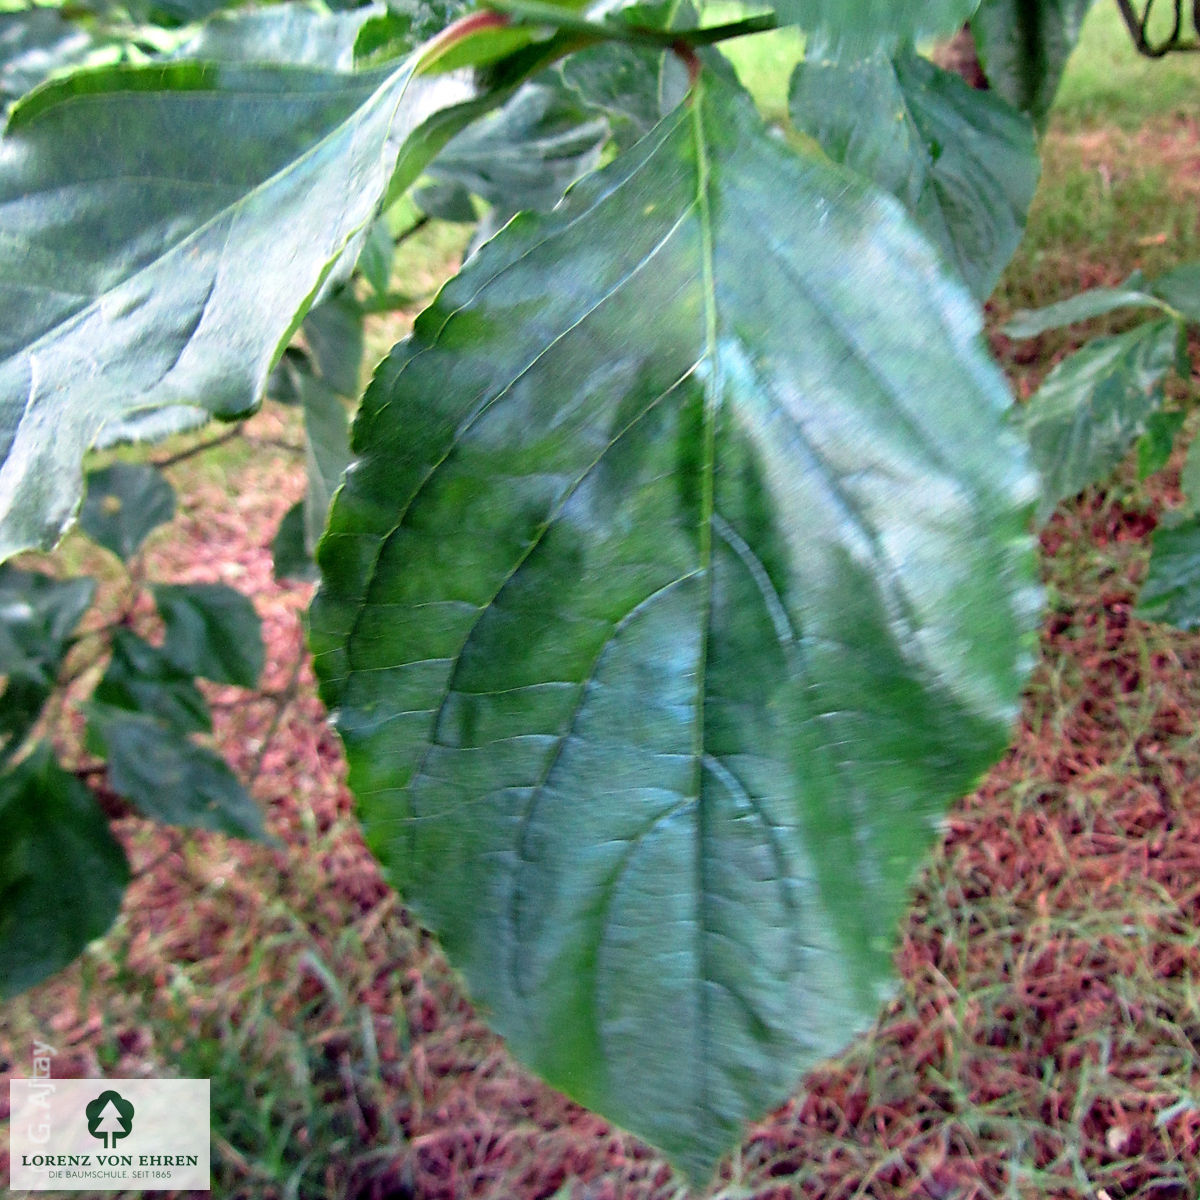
(1043, 1042)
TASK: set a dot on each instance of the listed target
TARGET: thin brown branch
(180, 456)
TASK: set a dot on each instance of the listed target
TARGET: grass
(1044, 1036)
(1109, 85)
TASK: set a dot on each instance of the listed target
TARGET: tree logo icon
(109, 1117)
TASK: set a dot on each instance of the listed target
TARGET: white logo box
(148, 1135)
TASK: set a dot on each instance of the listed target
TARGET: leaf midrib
(712, 400)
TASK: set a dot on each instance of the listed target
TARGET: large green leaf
(165, 228)
(676, 589)
(1024, 46)
(1093, 405)
(963, 162)
(62, 873)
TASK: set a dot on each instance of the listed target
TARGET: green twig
(538, 12)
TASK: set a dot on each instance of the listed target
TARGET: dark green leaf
(176, 12)
(165, 226)
(212, 631)
(124, 502)
(1189, 479)
(37, 617)
(172, 779)
(1171, 592)
(622, 83)
(38, 614)
(963, 162)
(676, 589)
(334, 333)
(1085, 416)
(1155, 445)
(62, 873)
(141, 678)
(527, 153)
(445, 202)
(1096, 302)
(291, 555)
(1024, 46)
(375, 261)
(327, 453)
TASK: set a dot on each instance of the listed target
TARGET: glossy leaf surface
(1085, 416)
(62, 873)
(165, 227)
(1024, 46)
(124, 503)
(212, 631)
(676, 589)
(963, 162)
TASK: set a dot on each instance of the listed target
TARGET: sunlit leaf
(677, 587)
(165, 228)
